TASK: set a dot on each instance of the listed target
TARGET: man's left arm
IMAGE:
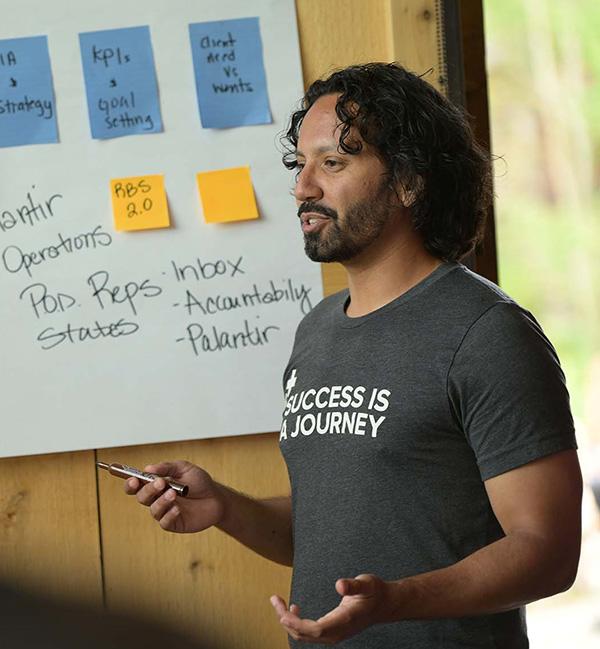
(538, 506)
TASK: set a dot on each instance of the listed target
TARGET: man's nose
(307, 186)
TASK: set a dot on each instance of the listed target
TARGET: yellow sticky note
(139, 203)
(227, 195)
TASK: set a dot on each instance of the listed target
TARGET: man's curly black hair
(425, 143)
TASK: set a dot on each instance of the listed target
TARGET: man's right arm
(264, 526)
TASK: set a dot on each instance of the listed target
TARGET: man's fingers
(279, 605)
(131, 486)
(329, 629)
(334, 620)
(151, 491)
(361, 585)
(172, 469)
(163, 504)
(302, 629)
(350, 587)
(283, 613)
(325, 629)
(167, 522)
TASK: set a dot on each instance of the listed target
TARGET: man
(435, 487)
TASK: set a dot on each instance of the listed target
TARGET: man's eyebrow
(324, 148)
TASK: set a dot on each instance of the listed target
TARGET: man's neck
(384, 272)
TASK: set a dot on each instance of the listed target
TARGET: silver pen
(124, 471)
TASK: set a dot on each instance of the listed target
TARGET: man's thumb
(361, 585)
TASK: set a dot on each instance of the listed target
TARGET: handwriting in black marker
(216, 340)
(33, 210)
(52, 337)
(8, 59)
(109, 56)
(44, 303)
(117, 294)
(249, 298)
(207, 269)
(16, 260)
(222, 50)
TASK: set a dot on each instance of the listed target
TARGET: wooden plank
(415, 37)
(49, 537)
(476, 96)
(337, 33)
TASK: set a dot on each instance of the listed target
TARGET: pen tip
(102, 465)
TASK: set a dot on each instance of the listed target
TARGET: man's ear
(408, 195)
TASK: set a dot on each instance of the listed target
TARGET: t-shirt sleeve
(508, 391)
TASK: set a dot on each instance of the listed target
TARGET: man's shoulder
(492, 325)
(466, 284)
(465, 296)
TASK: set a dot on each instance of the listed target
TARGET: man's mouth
(313, 222)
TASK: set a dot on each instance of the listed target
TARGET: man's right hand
(263, 525)
(203, 507)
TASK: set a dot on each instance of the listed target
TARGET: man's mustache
(317, 209)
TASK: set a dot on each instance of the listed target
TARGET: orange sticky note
(227, 195)
(139, 203)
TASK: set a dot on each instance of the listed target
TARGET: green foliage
(539, 254)
(548, 236)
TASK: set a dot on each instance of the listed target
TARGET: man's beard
(362, 224)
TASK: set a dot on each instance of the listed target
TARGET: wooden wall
(70, 533)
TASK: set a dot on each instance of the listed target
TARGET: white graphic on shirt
(333, 410)
(290, 383)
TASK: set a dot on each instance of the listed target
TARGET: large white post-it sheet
(131, 337)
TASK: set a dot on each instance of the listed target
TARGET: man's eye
(332, 163)
(298, 168)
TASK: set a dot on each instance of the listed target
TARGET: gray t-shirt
(393, 421)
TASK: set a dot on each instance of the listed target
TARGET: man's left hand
(364, 600)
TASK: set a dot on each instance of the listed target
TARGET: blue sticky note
(120, 82)
(27, 106)
(230, 74)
